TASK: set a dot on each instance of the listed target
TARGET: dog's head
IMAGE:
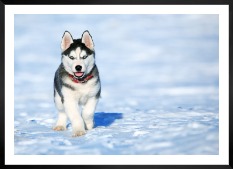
(78, 55)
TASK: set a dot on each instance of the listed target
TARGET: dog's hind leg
(88, 113)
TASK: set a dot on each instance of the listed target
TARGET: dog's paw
(78, 133)
(89, 126)
(59, 128)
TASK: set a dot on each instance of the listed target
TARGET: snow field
(159, 76)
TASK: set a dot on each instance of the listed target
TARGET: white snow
(159, 76)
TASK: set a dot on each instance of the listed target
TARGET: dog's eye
(71, 57)
(84, 57)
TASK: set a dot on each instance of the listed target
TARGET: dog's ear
(66, 41)
(87, 40)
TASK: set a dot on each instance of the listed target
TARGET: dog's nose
(78, 68)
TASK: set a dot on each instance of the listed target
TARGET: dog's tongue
(78, 74)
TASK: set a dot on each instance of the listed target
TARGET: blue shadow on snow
(106, 119)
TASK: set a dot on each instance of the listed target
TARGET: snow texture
(159, 76)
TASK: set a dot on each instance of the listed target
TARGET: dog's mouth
(79, 74)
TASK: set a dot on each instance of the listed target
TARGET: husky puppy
(76, 84)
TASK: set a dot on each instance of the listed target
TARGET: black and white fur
(77, 101)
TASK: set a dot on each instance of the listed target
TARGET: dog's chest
(82, 91)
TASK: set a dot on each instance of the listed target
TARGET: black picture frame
(113, 2)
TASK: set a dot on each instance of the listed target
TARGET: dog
(77, 85)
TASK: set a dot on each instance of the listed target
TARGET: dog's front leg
(74, 115)
(88, 113)
(61, 122)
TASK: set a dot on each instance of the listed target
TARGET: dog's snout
(78, 68)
